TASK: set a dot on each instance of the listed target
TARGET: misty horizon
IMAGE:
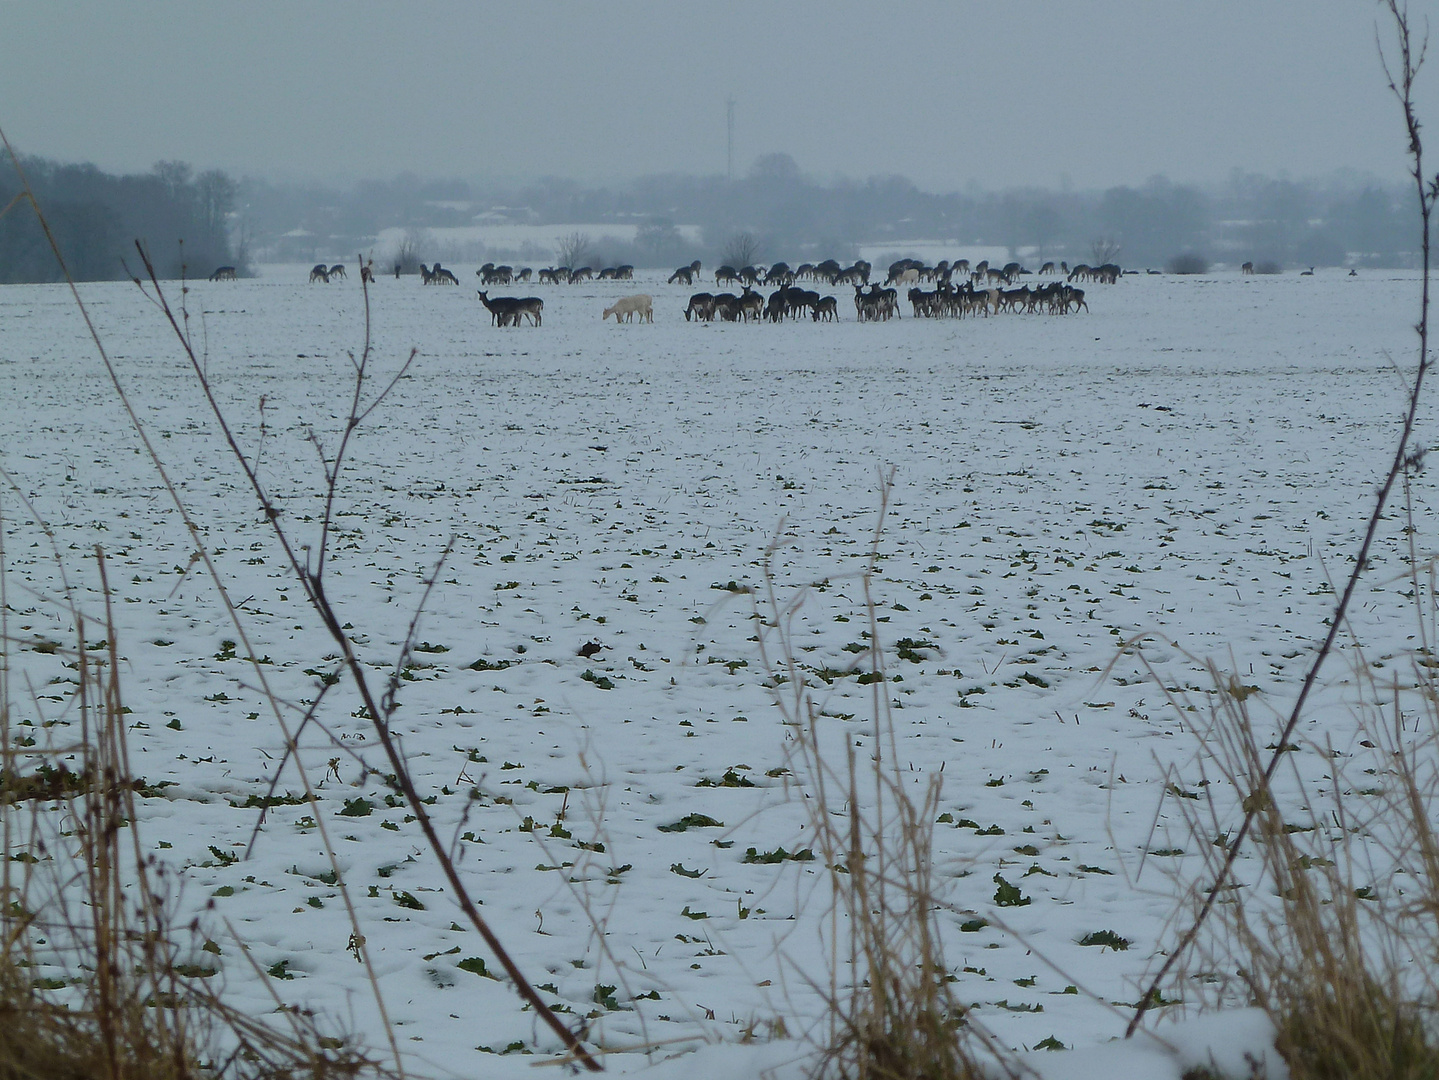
(954, 97)
(1335, 178)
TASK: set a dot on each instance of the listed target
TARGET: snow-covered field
(1194, 459)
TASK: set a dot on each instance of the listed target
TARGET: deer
(320, 272)
(630, 306)
(338, 271)
(702, 307)
(223, 273)
(532, 306)
(508, 310)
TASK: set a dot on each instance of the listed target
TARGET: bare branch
(1402, 85)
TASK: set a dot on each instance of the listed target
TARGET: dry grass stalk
(94, 979)
(1251, 771)
(892, 1012)
(1335, 933)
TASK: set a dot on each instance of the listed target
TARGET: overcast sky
(1090, 93)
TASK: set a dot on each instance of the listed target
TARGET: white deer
(641, 305)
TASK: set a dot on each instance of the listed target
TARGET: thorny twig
(378, 709)
(194, 532)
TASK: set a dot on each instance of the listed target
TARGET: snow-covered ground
(1193, 459)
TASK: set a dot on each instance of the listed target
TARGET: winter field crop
(1192, 461)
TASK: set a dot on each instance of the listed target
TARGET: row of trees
(1343, 218)
(96, 218)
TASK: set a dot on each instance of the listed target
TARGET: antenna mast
(729, 125)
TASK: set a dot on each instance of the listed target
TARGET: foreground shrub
(96, 981)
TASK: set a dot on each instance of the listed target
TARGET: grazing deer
(827, 309)
(630, 306)
(726, 306)
(441, 276)
(685, 275)
(223, 273)
(338, 271)
(1247, 268)
(508, 310)
(702, 307)
(750, 305)
(320, 272)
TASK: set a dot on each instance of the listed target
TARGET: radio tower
(729, 125)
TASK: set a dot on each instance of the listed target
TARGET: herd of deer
(1056, 298)
(324, 273)
(510, 310)
(436, 275)
(977, 290)
(749, 306)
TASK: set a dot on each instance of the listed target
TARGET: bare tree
(741, 249)
(1105, 249)
(407, 255)
(574, 249)
(216, 191)
(174, 175)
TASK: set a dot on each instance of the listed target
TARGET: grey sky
(1000, 93)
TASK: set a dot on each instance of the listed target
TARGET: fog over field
(1025, 95)
(906, 553)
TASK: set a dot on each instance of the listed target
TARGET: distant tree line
(96, 218)
(1342, 219)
